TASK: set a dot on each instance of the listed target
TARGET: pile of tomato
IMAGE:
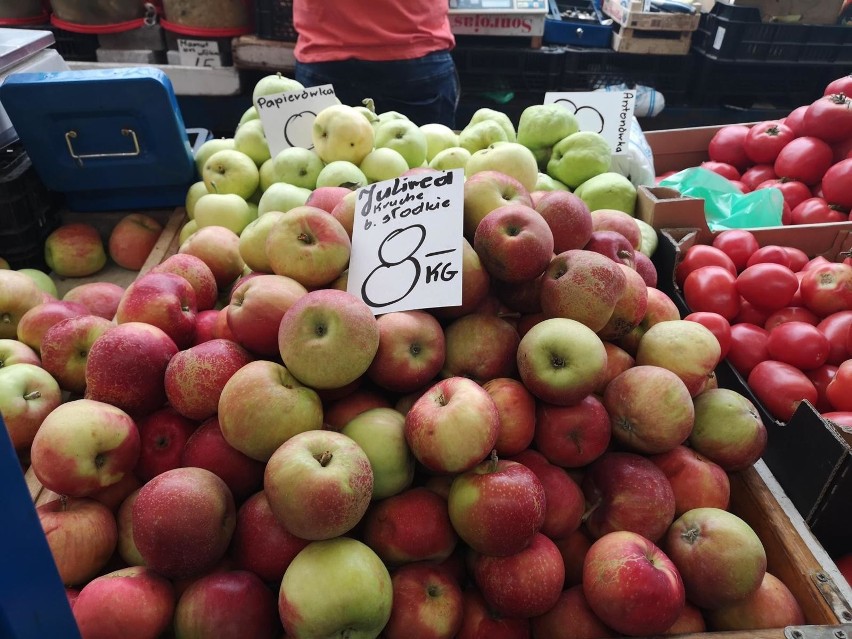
(806, 155)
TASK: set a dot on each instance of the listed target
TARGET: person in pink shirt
(396, 52)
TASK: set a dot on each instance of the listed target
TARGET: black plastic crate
(493, 69)
(590, 69)
(79, 47)
(274, 20)
(28, 211)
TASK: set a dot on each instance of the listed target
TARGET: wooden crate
(629, 14)
(625, 40)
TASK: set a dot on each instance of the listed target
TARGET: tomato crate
(485, 69)
(274, 20)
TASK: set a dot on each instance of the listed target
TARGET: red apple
(516, 410)
(219, 248)
(35, 322)
(631, 585)
(573, 549)
(630, 309)
(126, 367)
(101, 298)
(183, 520)
(660, 308)
(485, 191)
(475, 285)
(206, 325)
(568, 217)
(14, 352)
(481, 621)
(126, 547)
(18, 294)
(626, 491)
(613, 245)
(573, 436)
(564, 501)
(339, 412)
(75, 250)
(327, 197)
(65, 349)
(570, 611)
(686, 348)
(411, 351)
(28, 394)
(646, 269)
(411, 526)
(481, 347)
(81, 534)
(772, 605)
(453, 426)
(164, 300)
(514, 243)
(427, 602)
(618, 222)
(696, 481)
(132, 239)
(618, 360)
(195, 271)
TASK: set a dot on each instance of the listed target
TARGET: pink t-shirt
(374, 30)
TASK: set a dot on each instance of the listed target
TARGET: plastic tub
(21, 9)
(97, 12)
(229, 15)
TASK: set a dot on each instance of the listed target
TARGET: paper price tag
(407, 243)
(604, 112)
(199, 53)
(288, 117)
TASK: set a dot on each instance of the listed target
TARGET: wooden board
(251, 52)
(629, 14)
(626, 40)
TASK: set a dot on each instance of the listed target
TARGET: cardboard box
(804, 11)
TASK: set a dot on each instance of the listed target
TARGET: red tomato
(770, 253)
(794, 192)
(827, 289)
(837, 184)
(839, 389)
(805, 159)
(840, 85)
(765, 140)
(716, 324)
(799, 344)
(829, 118)
(750, 314)
(742, 187)
(748, 347)
(816, 210)
(767, 285)
(738, 245)
(727, 146)
(819, 260)
(842, 150)
(842, 418)
(820, 377)
(757, 174)
(798, 258)
(790, 314)
(781, 388)
(713, 289)
(699, 255)
(723, 169)
(836, 328)
(794, 119)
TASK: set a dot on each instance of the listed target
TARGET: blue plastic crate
(559, 29)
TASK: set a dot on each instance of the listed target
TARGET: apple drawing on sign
(297, 129)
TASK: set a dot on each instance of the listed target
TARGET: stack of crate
(639, 31)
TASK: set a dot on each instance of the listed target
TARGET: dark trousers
(424, 89)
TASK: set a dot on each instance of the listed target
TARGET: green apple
(649, 241)
(483, 114)
(4, 264)
(547, 183)
(223, 209)
(371, 116)
(608, 191)
(340, 132)
(578, 157)
(282, 197)
(387, 116)
(383, 163)
(438, 138)
(481, 135)
(380, 432)
(543, 125)
(186, 230)
(342, 173)
(193, 194)
(297, 166)
(266, 175)
(253, 241)
(455, 157)
(231, 171)
(272, 84)
(336, 588)
(209, 148)
(405, 137)
(510, 158)
(249, 114)
(250, 138)
(42, 280)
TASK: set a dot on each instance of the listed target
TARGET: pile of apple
(244, 449)
(806, 155)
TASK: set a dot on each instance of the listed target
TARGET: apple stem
(492, 461)
(6, 318)
(63, 502)
(213, 186)
(33, 395)
(305, 238)
(324, 458)
(368, 102)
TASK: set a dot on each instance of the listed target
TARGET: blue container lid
(107, 138)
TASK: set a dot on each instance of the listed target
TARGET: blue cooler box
(109, 140)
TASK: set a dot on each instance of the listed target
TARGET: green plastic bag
(724, 206)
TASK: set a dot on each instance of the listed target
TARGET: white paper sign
(288, 117)
(407, 242)
(199, 53)
(604, 112)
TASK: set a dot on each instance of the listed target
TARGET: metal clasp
(70, 135)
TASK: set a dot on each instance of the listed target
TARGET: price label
(199, 53)
(407, 242)
(288, 117)
(604, 112)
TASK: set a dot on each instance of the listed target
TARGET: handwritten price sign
(407, 243)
